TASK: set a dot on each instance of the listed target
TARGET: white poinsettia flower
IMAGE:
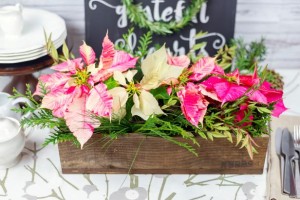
(120, 97)
(156, 70)
(145, 105)
(120, 94)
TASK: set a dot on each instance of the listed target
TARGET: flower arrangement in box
(161, 95)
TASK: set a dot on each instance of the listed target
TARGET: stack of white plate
(31, 44)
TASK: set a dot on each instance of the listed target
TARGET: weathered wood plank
(159, 156)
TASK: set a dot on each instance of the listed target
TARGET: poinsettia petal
(279, 108)
(87, 53)
(120, 78)
(100, 101)
(145, 105)
(218, 70)
(202, 68)
(169, 90)
(58, 102)
(108, 53)
(272, 95)
(130, 74)
(138, 112)
(211, 94)
(78, 120)
(193, 104)
(240, 115)
(54, 81)
(258, 97)
(250, 80)
(135, 110)
(181, 61)
(149, 104)
(157, 71)
(211, 82)
(227, 91)
(120, 97)
(122, 62)
(69, 66)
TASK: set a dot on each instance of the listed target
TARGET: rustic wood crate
(158, 156)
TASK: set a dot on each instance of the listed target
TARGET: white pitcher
(12, 142)
(7, 104)
(11, 20)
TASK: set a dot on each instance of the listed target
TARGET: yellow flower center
(232, 79)
(132, 88)
(81, 77)
(184, 77)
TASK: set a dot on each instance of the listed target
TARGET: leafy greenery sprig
(137, 16)
(219, 123)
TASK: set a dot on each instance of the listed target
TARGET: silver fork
(296, 136)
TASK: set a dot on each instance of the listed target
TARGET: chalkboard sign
(217, 17)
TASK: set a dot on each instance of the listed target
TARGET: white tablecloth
(38, 175)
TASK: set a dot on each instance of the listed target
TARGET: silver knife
(278, 137)
(288, 151)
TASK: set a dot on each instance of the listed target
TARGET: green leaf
(223, 128)
(201, 34)
(172, 102)
(245, 142)
(239, 137)
(54, 54)
(202, 134)
(264, 110)
(160, 93)
(199, 46)
(228, 135)
(210, 136)
(111, 83)
(218, 134)
(65, 50)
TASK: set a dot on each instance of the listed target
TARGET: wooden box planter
(158, 156)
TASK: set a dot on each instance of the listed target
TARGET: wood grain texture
(158, 156)
(25, 68)
(278, 21)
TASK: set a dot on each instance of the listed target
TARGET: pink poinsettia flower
(205, 66)
(226, 91)
(193, 104)
(111, 60)
(74, 96)
(240, 115)
(181, 61)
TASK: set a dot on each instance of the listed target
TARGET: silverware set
(287, 147)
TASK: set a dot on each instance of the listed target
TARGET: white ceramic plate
(29, 55)
(23, 59)
(32, 38)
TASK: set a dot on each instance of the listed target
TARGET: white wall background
(278, 21)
